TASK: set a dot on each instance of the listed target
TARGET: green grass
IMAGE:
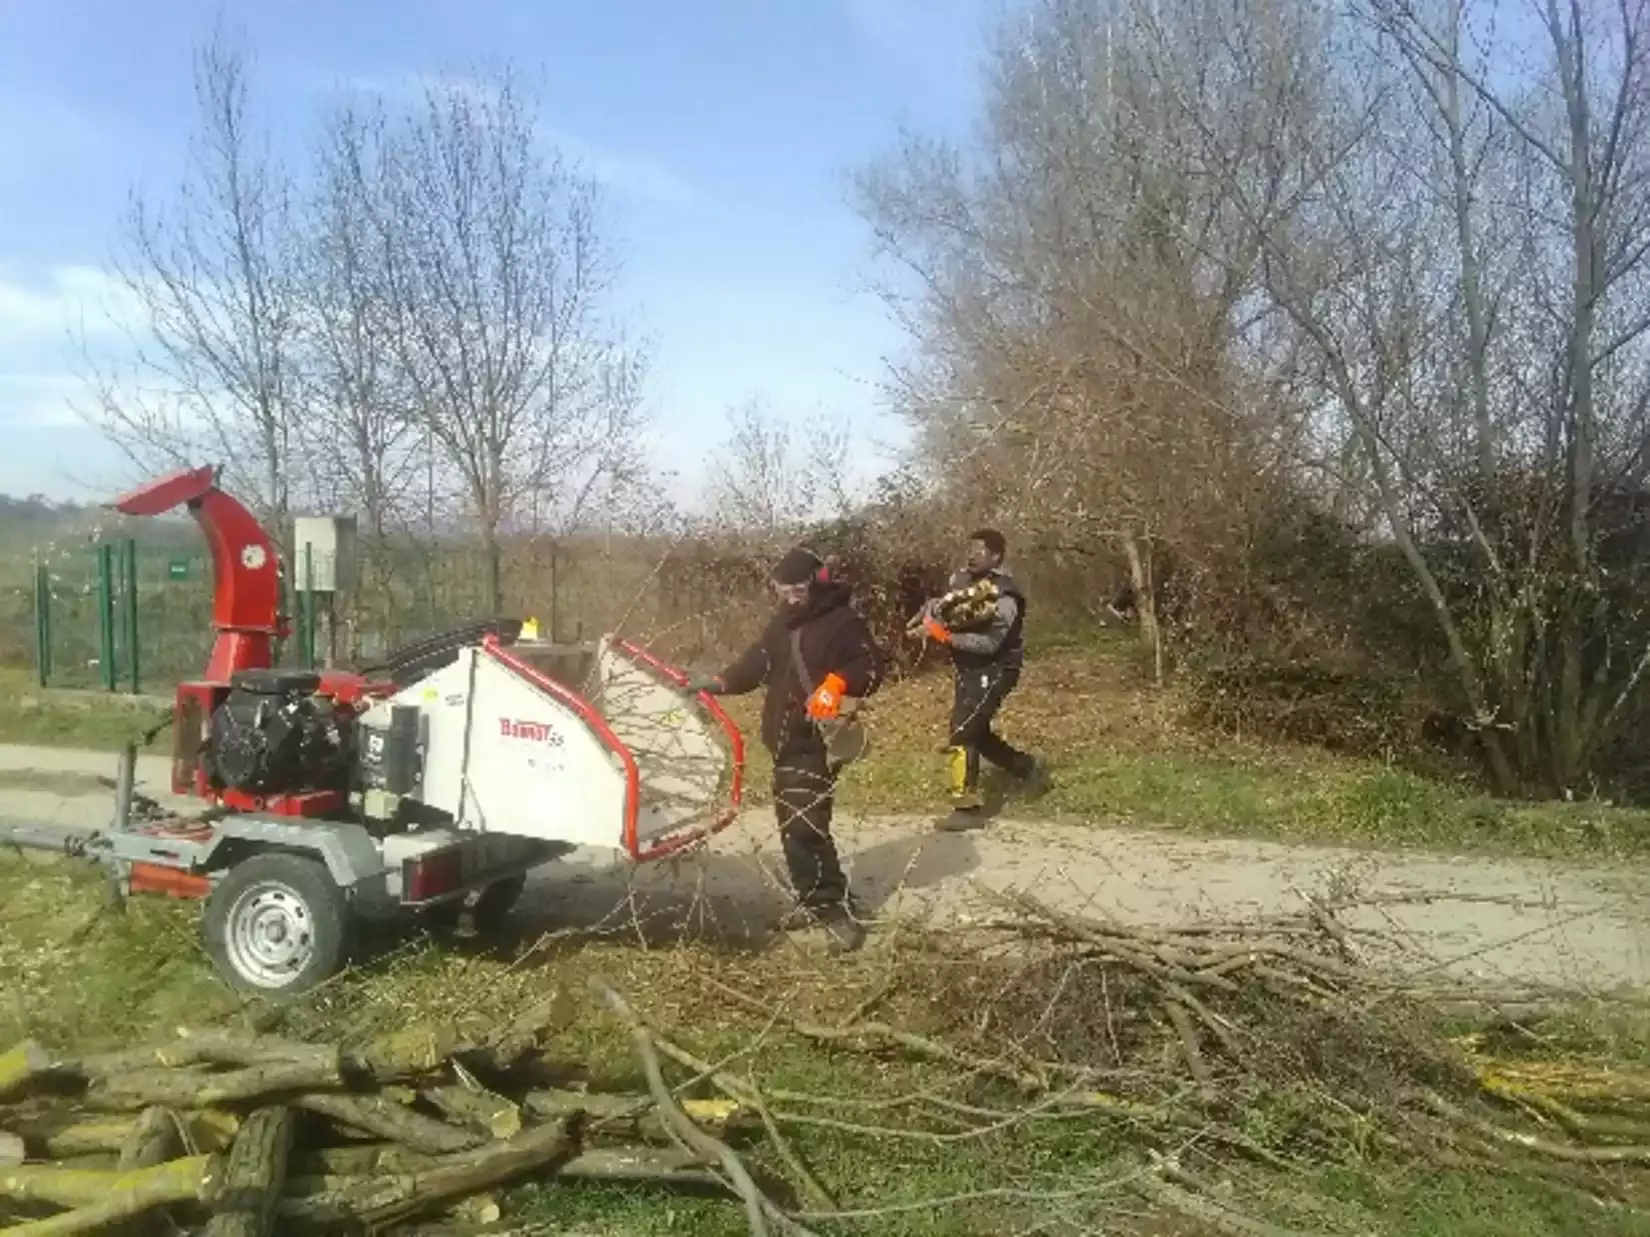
(59, 718)
(1268, 795)
(1454, 1204)
(1119, 755)
(82, 976)
(78, 974)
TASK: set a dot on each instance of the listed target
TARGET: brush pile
(1277, 1048)
(1217, 1067)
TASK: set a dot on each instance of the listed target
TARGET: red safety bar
(672, 843)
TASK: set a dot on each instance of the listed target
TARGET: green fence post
(117, 612)
(42, 620)
(106, 614)
(129, 559)
(117, 594)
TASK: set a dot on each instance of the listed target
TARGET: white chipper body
(613, 758)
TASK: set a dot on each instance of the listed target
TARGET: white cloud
(898, 24)
(633, 176)
(412, 89)
(939, 39)
(626, 173)
(69, 298)
(42, 316)
(32, 311)
(40, 401)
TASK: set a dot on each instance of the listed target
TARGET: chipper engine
(425, 785)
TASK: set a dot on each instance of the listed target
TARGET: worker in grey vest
(981, 620)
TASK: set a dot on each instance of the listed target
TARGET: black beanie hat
(799, 566)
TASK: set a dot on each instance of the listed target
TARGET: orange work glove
(936, 630)
(826, 702)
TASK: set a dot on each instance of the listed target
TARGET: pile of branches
(233, 1134)
(1212, 1061)
(1224, 1059)
(1284, 1044)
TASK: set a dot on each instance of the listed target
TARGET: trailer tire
(277, 924)
(488, 908)
(496, 901)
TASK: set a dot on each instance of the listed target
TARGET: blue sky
(723, 129)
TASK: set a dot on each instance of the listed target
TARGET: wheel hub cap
(270, 935)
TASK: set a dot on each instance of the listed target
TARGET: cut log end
(20, 1066)
(154, 1139)
(254, 1175)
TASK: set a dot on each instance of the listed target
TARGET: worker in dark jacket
(839, 660)
(987, 655)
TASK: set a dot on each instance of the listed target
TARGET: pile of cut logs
(233, 1134)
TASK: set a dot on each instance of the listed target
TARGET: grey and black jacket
(999, 643)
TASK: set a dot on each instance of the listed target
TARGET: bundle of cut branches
(1182, 1033)
(1270, 1046)
(1197, 1053)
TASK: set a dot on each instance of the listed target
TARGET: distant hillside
(36, 511)
(26, 523)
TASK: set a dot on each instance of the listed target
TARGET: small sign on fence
(177, 569)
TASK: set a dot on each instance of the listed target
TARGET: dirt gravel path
(1494, 920)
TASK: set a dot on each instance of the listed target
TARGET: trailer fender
(348, 850)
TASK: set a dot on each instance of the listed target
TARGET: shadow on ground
(734, 902)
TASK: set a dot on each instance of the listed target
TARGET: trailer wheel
(277, 924)
(496, 901)
(488, 907)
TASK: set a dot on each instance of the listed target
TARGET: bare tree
(1549, 657)
(1588, 166)
(1204, 264)
(1075, 336)
(1447, 267)
(361, 432)
(766, 481)
(590, 467)
(497, 275)
(219, 325)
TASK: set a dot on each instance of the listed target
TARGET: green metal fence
(114, 617)
(122, 615)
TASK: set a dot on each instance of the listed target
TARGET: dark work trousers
(979, 695)
(804, 789)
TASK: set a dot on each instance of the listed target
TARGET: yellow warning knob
(530, 629)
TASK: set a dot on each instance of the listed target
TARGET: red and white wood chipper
(429, 782)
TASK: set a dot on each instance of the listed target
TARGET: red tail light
(430, 876)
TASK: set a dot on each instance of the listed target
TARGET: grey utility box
(323, 553)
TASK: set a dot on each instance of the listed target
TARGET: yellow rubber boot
(964, 767)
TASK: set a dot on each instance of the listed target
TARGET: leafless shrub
(1208, 279)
